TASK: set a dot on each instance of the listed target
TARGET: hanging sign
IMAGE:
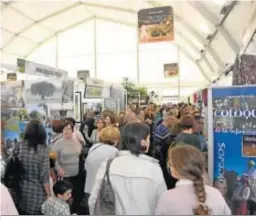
(156, 24)
(28, 67)
(232, 113)
(171, 69)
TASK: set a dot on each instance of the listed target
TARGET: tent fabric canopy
(207, 39)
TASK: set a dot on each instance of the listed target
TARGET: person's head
(68, 129)
(105, 113)
(100, 123)
(87, 115)
(110, 119)
(121, 115)
(136, 138)
(150, 112)
(169, 118)
(187, 162)
(187, 123)
(71, 120)
(35, 134)
(199, 123)
(110, 136)
(251, 164)
(62, 189)
(130, 117)
(57, 126)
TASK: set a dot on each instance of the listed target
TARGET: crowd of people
(144, 161)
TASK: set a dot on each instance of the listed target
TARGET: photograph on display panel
(156, 24)
(77, 107)
(249, 146)
(234, 163)
(12, 94)
(43, 91)
(67, 91)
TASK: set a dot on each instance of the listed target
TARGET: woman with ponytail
(190, 196)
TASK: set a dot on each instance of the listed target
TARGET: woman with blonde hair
(191, 196)
(106, 148)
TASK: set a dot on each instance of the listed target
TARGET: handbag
(105, 203)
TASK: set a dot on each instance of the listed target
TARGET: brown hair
(187, 122)
(57, 126)
(102, 120)
(67, 123)
(105, 113)
(112, 117)
(109, 135)
(188, 161)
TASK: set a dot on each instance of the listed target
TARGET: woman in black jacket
(161, 154)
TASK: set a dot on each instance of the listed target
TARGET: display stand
(232, 145)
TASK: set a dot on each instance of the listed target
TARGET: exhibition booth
(30, 90)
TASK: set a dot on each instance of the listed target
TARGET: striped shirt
(161, 133)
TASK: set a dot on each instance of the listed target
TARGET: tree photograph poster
(156, 24)
(44, 91)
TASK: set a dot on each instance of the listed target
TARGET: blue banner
(234, 134)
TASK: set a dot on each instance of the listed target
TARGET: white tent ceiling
(206, 38)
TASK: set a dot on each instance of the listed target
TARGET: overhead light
(204, 27)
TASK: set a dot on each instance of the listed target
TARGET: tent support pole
(138, 58)
(178, 50)
(57, 51)
(95, 48)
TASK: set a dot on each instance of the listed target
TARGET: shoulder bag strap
(107, 169)
(94, 148)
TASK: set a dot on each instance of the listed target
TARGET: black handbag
(105, 203)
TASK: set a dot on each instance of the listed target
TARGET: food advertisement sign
(171, 69)
(156, 24)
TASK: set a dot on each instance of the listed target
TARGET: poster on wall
(83, 75)
(67, 91)
(11, 76)
(93, 92)
(110, 104)
(12, 94)
(171, 70)
(244, 70)
(234, 141)
(37, 69)
(156, 24)
(13, 133)
(43, 91)
(77, 106)
(49, 91)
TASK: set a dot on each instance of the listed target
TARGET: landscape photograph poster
(12, 94)
(43, 91)
(156, 24)
(234, 145)
(171, 70)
